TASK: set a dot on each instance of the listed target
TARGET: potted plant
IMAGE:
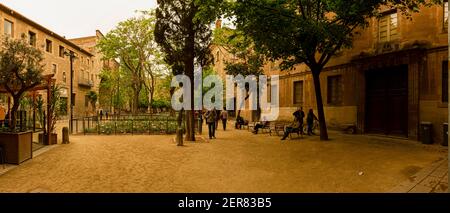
(54, 113)
(21, 70)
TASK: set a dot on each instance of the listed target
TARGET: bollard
(179, 137)
(65, 135)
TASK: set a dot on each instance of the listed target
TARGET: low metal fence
(126, 124)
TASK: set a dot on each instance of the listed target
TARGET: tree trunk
(322, 121)
(189, 72)
(180, 129)
(13, 113)
(172, 112)
(135, 101)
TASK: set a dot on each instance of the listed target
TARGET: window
(48, 46)
(54, 69)
(32, 37)
(388, 27)
(298, 92)
(64, 77)
(445, 82)
(446, 14)
(9, 27)
(62, 51)
(88, 62)
(269, 91)
(335, 92)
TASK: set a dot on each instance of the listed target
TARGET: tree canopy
(21, 68)
(183, 31)
(132, 42)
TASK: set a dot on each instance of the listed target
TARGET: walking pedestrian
(217, 112)
(310, 121)
(210, 117)
(224, 118)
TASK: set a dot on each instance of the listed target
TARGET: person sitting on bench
(240, 122)
(294, 127)
(264, 123)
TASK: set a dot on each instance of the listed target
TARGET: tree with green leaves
(93, 98)
(183, 31)
(21, 68)
(132, 43)
(310, 32)
(55, 105)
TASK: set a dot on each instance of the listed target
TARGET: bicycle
(315, 126)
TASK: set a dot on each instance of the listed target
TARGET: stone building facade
(85, 66)
(90, 44)
(394, 78)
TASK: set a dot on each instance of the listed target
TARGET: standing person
(200, 121)
(310, 121)
(224, 118)
(217, 112)
(106, 114)
(101, 115)
(210, 117)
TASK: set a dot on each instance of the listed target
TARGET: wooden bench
(251, 126)
(298, 131)
(276, 127)
(267, 128)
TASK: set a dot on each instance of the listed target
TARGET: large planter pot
(54, 139)
(17, 146)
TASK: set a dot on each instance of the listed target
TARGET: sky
(78, 18)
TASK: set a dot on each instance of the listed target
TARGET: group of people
(297, 124)
(212, 118)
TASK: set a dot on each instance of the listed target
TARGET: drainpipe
(449, 108)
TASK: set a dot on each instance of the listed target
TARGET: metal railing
(125, 125)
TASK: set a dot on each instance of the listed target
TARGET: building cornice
(17, 15)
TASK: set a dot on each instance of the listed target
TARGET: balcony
(84, 82)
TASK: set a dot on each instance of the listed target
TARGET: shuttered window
(298, 92)
(388, 27)
(335, 92)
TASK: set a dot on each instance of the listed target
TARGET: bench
(267, 128)
(251, 126)
(298, 131)
(276, 128)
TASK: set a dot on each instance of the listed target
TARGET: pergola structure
(46, 85)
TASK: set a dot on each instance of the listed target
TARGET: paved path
(237, 161)
(432, 179)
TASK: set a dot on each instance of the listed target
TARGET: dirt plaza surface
(237, 161)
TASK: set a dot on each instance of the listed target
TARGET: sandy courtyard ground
(236, 162)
